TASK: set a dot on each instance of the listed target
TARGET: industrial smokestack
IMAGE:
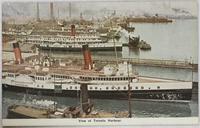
(38, 13)
(51, 11)
(17, 52)
(70, 13)
(73, 31)
(87, 58)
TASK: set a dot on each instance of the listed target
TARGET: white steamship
(110, 82)
(73, 42)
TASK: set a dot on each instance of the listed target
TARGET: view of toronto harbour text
(113, 59)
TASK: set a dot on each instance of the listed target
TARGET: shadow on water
(140, 108)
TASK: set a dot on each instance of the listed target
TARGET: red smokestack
(87, 57)
(17, 51)
(73, 30)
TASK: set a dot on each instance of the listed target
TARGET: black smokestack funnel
(51, 11)
(73, 30)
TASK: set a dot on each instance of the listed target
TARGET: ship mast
(113, 35)
(129, 93)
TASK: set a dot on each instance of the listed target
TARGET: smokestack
(87, 58)
(17, 52)
(73, 31)
(38, 13)
(51, 11)
(70, 13)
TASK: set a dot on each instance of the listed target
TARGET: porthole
(70, 87)
(158, 87)
(113, 87)
(118, 88)
(124, 88)
(75, 87)
(95, 87)
(136, 87)
(107, 88)
(90, 87)
(142, 87)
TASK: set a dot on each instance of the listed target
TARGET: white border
(189, 122)
(123, 122)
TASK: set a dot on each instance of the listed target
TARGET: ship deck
(73, 71)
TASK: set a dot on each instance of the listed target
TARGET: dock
(136, 61)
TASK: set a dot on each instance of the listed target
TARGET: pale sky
(96, 8)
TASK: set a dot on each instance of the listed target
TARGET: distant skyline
(99, 9)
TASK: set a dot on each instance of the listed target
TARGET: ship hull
(170, 94)
(80, 49)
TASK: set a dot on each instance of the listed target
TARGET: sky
(98, 8)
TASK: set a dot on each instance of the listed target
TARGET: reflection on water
(139, 108)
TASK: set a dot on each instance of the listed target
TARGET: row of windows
(107, 78)
(62, 39)
(11, 75)
(158, 87)
(59, 76)
(39, 86)
(41, 78)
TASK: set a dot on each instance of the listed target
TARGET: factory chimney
(73, 30)
(17, 52)
(38, 13)
(70, 12)
(88, 64)
(51, 11)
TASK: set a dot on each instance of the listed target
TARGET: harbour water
(140, 108)
(173, 41)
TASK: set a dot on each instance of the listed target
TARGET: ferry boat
(112, 83)
(73, 42)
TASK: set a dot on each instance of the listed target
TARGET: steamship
(110, 82)
(73, 42)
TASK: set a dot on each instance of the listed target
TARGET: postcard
(96, 63)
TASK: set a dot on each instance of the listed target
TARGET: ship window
(113, 87)
(118, 88)
(75, 87)
(70, 87)
(136, 87)
(142, 87)
(149, 88)
(130, 87)
(66, 88)
(107, 88)
(42, 86)
(90, 87)
(95, 87)
(124, 87)
(37, 85)
(158, 87)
